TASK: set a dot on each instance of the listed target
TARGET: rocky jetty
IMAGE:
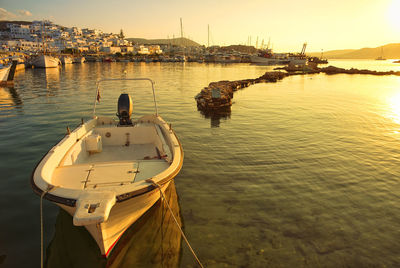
(337, 70)
(307, 69)
(218, 95)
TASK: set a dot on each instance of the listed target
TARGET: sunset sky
(326, 25)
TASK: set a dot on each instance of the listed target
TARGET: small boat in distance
(45, 61)
(381, 56)
(78, 59)
(66, 60)
(7, 72)
(107, 173)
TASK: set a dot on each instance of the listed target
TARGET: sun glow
(394, 103)
(393, 14)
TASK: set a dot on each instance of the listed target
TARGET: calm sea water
(302, 173)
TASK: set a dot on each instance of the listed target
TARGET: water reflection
(216, 116)
(9, 99)
(394, 103)
(52, 78)
(153, 241)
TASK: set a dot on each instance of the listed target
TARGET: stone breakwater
(218, 95)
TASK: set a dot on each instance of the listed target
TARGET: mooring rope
(49, 188)
(176, 221)
(162, 234)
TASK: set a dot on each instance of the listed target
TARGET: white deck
(121, 153)
(114, 161)
(101, 175)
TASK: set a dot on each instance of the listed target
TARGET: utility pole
(208, 39)
(257, 42)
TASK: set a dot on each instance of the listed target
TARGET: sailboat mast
(43, 36)
(181, 33)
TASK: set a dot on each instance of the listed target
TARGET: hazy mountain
(175, 41)
(389, 51)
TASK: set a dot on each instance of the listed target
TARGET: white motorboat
(78, 60)
(45, 61)
(66, 60)
(107, 173)
(4, 71)
(7, 71)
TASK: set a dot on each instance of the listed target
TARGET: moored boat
(78, 60)
(45, 61)
(4, 71)
(107, 173)
(7, 73)
(66, 60)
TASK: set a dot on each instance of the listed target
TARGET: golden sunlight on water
(6, 101)
(394, 104)
(301, 173)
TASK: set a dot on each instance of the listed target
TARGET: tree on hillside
(121, 34)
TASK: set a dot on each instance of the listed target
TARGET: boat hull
(264, 61)
(4, 73)
(78, 60)
(122, 215)
(45, 61)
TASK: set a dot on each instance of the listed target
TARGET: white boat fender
(93, 207)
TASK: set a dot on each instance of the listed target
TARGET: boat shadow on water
(152, 241)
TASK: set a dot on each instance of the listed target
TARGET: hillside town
(33, 38)
(37, 36)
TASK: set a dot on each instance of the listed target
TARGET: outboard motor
(124, 109)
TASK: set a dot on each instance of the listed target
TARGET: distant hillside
(240, 48)
(175, 41)
(390, 51)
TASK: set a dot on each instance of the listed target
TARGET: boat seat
(93, 143)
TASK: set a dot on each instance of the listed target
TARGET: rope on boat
(49, 188)
(176, 221)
